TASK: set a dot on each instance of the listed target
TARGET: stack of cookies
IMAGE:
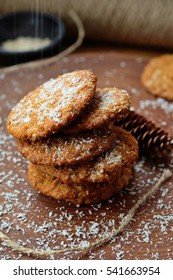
(65, 129)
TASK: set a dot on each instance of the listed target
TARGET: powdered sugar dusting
(54, 102)
(50, 105)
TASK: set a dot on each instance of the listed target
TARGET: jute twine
(100, 241)
(147, 23)
(48, 61)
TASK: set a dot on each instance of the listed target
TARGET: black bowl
(30, 24)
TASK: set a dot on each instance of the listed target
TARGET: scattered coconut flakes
(65, 226)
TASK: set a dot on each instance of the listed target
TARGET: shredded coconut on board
(35, 221)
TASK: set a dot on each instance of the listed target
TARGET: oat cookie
(78, 194)
(157, 76)
(106, 104)
(102, 168)
(59, 149)
(53, 105)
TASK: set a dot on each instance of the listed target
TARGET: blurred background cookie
(157, 76)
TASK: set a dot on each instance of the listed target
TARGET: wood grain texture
(39, 222)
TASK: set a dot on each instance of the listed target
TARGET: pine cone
(153, 141)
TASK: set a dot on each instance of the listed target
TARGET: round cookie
(78, 194)
(106, 104)
(59, 149)
(51, 106)
(102, 168)
(157, 76)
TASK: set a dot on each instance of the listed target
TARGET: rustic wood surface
(36, 221)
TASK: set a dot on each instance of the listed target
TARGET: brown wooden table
(36, 221)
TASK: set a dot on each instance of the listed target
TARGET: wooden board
(36, 221)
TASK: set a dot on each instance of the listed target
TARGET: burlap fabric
(148, 22)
